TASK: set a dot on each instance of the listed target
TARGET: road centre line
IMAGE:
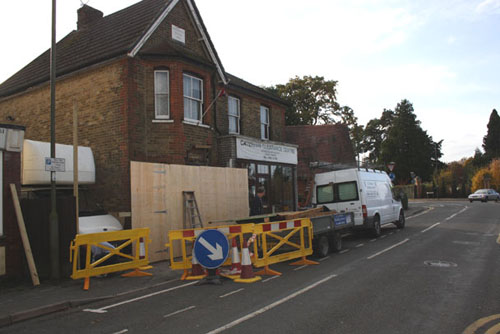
(324, 258)
(455, 214)
(373, 240)
(231, 293)
(421, 213)
(387, 249)
(344, 251)
(270, 306)
(301, 267)
(121, 332)
(103, 309)
(270, 278)
(430, 227)
(359, 245)
(180, 311)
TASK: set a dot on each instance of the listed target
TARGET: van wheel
(376, 229)
(401, 221)
(336, 242)
(322, 246)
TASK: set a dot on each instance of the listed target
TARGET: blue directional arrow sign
(211, 249)
(392, 176)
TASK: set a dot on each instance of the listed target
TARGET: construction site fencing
(282, 241)
(185, 240)
(115, 248)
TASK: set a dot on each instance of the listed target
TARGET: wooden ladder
(192, 217)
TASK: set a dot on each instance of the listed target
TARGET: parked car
(484, 195)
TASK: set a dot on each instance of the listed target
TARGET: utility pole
(53, 219)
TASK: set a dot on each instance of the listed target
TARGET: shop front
(272, 165)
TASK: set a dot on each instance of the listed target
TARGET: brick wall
(326, 143)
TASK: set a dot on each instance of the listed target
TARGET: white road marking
(430, 227)
(270, 278)
(359, 245)
(270, 306)
(422, 213)
(455, 214)
(121, 332)
(391, 233)
(373, 240)
(301, 267)
(180, 311)
(387, 249)
(103, 309)
(344, 251)
(231, 293)
(324, 258)
(383, 236)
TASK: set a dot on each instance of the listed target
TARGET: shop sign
(264, 151)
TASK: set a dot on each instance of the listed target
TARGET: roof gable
(121, 33)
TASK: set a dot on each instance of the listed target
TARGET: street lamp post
(53, 219)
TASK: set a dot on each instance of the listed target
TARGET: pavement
(22, 301)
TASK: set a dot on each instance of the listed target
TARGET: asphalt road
(441, 274)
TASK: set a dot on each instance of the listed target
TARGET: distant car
(484, 195)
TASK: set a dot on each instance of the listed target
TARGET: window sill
(195, 123)
(163, 121)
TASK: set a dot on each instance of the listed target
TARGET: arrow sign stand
(211, 249)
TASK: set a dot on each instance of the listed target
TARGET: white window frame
(264, 125)
(234, 116)
(159, 115)
(191, 98)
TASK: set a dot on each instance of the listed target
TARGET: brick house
(149, 86)
(321, 148)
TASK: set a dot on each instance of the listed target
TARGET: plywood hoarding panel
(157, 202)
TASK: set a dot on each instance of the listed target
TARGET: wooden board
(157, 203)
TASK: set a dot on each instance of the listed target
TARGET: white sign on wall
(178, 34)
(252, 149)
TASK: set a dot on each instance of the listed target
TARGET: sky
(441, 55)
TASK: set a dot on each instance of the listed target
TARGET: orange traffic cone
(197, 271)
(235, 270)
(247, 274)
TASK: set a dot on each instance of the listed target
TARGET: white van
(366, 192)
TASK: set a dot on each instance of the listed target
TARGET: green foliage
(313, 100)
(397, 137)
(491, 142)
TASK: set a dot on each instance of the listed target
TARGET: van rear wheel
(322, 246)
(400, 223)
(376, 229)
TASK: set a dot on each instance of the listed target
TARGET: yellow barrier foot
(248, 280)
(137, 273)
(268, 272)
(303, 262)
(86, 283)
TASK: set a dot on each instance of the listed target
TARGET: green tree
(375, 133)
(409, 146)
(491, 142)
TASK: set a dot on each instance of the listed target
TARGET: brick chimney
(87, 16)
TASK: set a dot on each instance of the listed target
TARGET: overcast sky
(441, 55)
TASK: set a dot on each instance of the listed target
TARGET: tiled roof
(111, 36)
(235, 81)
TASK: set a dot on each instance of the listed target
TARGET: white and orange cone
(197, 271)
(235, 270)
(247, 274)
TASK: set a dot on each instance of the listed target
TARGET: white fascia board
(152, 29)
(207, 44)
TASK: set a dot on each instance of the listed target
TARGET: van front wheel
(376, 229)
(400, 223)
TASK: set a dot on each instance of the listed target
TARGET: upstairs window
(162, 103)
(264, 123)
(193, 98)
(233, 111)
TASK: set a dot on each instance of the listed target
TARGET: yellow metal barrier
(187, 237)
(137, 238)
(282, 241)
